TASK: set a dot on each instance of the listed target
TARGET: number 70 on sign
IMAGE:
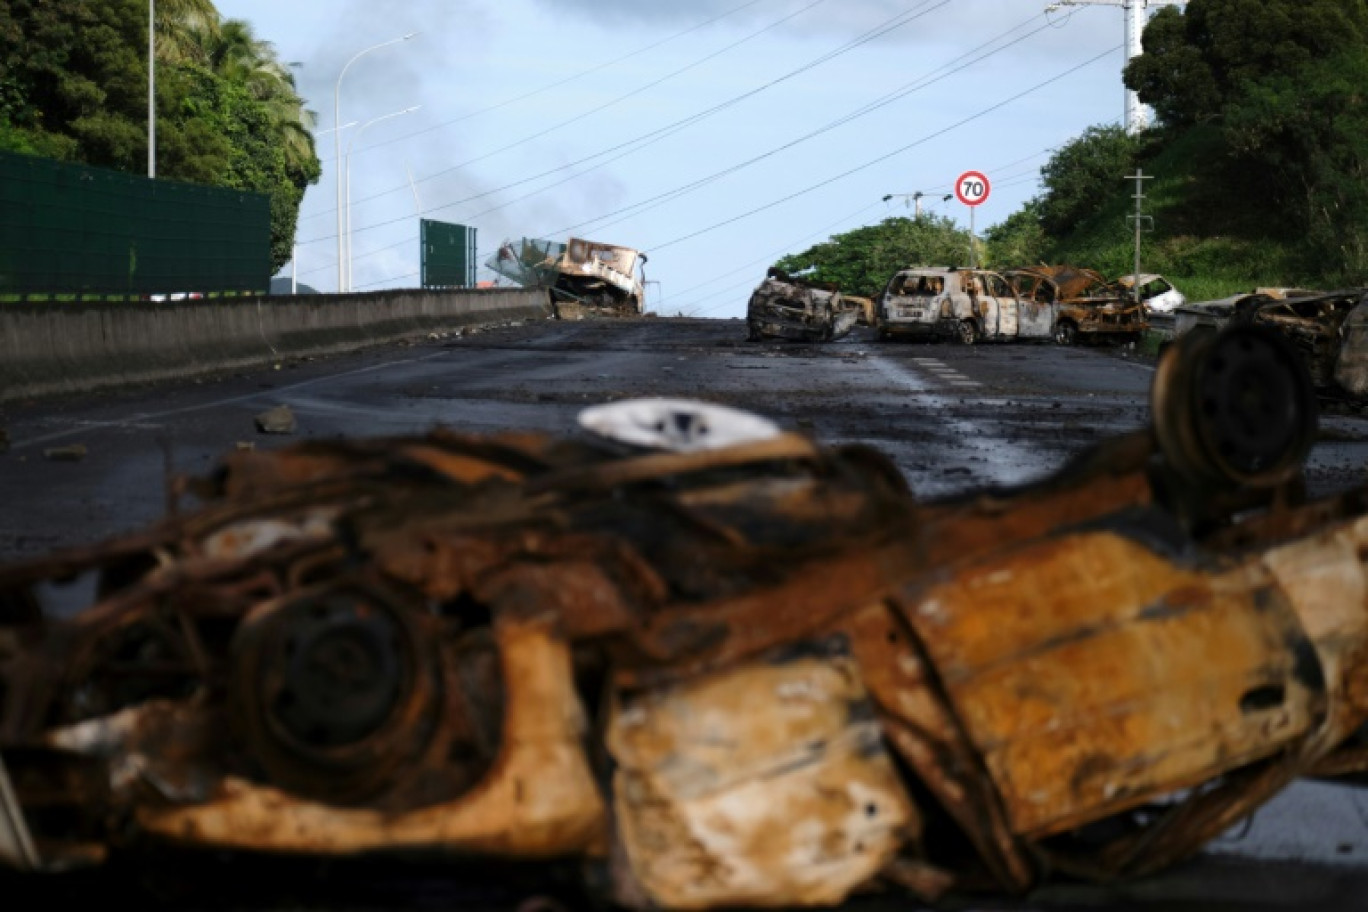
(972, 188)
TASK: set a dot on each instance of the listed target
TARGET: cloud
(957, 21)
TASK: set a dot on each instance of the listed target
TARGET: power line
(646, 139)
(874, 161)
(555, 85)
(603, 107)
(916, 85)
(997, 169)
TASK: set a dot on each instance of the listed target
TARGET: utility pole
(1137, 116)
(151, 88)
(1142, 223)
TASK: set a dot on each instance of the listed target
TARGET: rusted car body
(1085, 307)
(759, 673)
(1325, 328)
(963, 304)
(785, 307)
(582, 276)
(1203, 316)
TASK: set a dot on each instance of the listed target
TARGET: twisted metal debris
(721, 663)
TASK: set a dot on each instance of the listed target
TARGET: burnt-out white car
(965, 304)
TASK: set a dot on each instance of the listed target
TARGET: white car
(1156, 292)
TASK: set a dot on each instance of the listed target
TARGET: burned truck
(1085, 307)
(702, 661)
(787, 307)
(582, 276)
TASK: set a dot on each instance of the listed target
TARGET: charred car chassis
(784, 307)
(755, 674)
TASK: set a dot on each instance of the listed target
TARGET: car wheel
(1066, 333)
(968, 332)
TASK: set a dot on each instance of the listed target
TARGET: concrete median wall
(54, 348)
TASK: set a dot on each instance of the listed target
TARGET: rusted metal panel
(1073, 665)
(766, 784)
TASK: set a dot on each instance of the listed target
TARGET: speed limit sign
(972, 188)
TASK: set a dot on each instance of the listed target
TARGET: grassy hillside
(1211, 236)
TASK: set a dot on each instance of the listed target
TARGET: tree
(1019, 240)
(1082, 174)
(861, 261)
(185, 30)
(1285, 80)
(1199, 60)
(73, 86)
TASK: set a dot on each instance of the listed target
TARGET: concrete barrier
(53, 348)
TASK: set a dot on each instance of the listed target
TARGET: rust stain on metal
(758, 673)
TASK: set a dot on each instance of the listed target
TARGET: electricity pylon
(1137, 116)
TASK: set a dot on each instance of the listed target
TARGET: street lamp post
(337, 146)
(346, 180)
(915, 197)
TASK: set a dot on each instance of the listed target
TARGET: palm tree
(185, 30)
(239, 56)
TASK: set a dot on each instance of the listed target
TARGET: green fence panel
(448, 254)
(68, 229)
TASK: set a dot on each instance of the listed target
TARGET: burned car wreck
(715, 661)
(581, 276)
(1085, 307)
(787, 307)
(1327, 329)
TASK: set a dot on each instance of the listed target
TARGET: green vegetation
(73, 86)
(861, 261)
(1259, 164)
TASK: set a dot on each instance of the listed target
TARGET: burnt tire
(967, 332)
(1066, 333)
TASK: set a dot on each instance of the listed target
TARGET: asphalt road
(952, 417)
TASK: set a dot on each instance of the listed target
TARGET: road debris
(687, 641)
(73, 453)
(278, 420)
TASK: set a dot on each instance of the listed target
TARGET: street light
(294, 250)
(346, 170)
(916, 197)
(337, 119)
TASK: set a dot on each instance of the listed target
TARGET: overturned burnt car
(1085, 307)
(707, 662)
(787, 307)
(582, 276)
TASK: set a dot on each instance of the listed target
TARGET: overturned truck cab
(686, 641)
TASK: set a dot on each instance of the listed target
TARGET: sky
(714, 135)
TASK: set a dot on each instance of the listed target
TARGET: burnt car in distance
(788, 307)
(688, 641)
(1157, 293)
(967, 305)
(582, 276)
(1325, 328)
(1085, 307)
